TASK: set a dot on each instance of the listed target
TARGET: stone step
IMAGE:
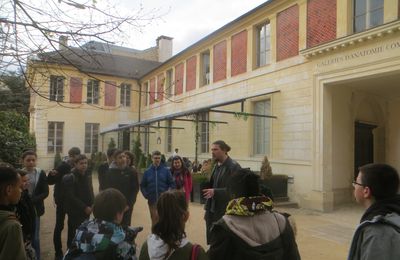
(286, 204)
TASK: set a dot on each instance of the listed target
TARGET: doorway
(363, 145)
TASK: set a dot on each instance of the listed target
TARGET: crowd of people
(240, 220)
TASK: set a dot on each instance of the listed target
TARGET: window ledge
(373, 34)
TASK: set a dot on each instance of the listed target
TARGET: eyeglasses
(356, 183)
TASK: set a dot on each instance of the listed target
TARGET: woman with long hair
(182, 176)
(168, 239)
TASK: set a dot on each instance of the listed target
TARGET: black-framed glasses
(356, 183)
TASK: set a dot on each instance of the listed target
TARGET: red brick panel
(321, 22)
(287, 42)
(111, 93)
(191, 73)
(219, 61)
(179, 79)
(160, 86)
(152, 90)
(75, 95)
(239, 53)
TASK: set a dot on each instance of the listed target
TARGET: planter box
(197, 194)
(278, 185)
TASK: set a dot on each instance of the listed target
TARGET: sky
(187, 21)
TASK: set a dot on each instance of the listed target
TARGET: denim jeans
(36, 240)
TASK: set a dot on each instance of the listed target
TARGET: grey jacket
(378, 238)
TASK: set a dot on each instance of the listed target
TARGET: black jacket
(40, 193)
(26, 214)
(63, 169)
(218, 203)
(125, 180)
(78, 194)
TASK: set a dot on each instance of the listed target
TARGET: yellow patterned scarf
(248, 206)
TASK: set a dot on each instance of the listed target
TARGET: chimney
(63, 42)
(164, 45)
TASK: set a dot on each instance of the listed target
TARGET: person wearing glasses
(156, 180)
(378, 234)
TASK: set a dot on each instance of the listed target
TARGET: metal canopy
(187, 113)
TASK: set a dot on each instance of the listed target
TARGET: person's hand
(88, 211)
(208, 193)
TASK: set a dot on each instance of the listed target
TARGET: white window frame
(205, 68)
(169, 86)
(262, 127)
(263, 44)
(93, 91)
(55, 135)
(368, 15)
(56, 88)
(204, 133)
(125, 97)
(92, 137)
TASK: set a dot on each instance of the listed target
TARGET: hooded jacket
(155, 181)
(378, 234)
(250, 230)
(156, 249)
(125, 180)
(11, 240)
(78, 194)
(101, 240)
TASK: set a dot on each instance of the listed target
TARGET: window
(93, 91)
(204, 133)
(169, 87)
(57, 88)
(146, 93)
(55, 137)
(91, 137)
(125, 95)
(367, 14)
(205, 68)
(263, 44)
(168, 136)
(262, 128)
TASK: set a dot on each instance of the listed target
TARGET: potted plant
(200, 182)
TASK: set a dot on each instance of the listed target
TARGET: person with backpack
(26, 214)
(250, 229)
(78, 196)
(377, 236)
(11, 238)
(38, 190)
(55, 178)
(103, 238)
(168, 239)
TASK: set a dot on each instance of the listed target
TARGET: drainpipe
(140, 105)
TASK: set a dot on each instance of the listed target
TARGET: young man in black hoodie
(78, 196)
(55, 178)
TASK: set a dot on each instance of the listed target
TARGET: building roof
(95, 62)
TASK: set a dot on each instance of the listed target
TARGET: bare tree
(31, 28)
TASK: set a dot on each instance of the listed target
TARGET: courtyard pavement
(320, 236)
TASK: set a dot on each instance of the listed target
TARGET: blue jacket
(155, 181)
